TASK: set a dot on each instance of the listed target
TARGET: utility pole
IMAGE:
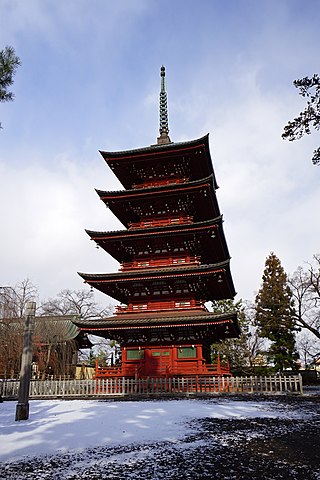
(22, 409)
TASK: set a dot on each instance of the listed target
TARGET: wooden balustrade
(114, 371)
(161, 222)
(159, 262)
(161, 306)
(158, 183)
(178, 369)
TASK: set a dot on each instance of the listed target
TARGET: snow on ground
(56, 426)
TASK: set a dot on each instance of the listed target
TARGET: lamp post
(22, 409)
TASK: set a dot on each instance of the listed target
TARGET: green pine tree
(9, 63)
(274, 315)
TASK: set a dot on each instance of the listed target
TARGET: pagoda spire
(164, 124)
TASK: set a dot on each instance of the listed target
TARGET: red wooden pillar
(218, 365)
(97, 368)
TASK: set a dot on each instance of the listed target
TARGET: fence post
(300, 383)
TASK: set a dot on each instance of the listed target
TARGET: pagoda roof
(191, 157)
(114, 325)
(196, 199)
(205, 239)
(206, 282)
(154, 189)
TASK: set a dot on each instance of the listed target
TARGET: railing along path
(121, 387)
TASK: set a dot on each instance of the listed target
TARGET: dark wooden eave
(197, 199)
(126, 326)
(192, 156)
(205, 239)
(205, 282)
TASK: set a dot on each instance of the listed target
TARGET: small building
(56, 343)
(173, 259)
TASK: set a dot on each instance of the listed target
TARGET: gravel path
(272, 449)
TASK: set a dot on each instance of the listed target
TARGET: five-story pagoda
(173, 259)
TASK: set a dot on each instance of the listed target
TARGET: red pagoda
(173, 259)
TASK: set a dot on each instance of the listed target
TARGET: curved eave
(131, 206)
(146, 231)
(117, 324)
(147, 272)
(154, 149)
(211, 245)
(208, 282)
(155, 318)
(152, 153)
(145, 192)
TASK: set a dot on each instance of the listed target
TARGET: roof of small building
(61, 327)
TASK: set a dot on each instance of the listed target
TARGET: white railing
(149, 386)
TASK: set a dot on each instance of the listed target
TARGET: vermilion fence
(122, 387)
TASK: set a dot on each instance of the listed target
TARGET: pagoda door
(159, 362)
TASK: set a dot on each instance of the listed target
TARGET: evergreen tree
(9, 63)
(275, 315)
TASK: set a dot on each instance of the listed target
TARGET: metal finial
(164, 124)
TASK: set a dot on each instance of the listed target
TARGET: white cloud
(44, 212)
(268, 192)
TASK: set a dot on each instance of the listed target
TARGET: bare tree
(305, 287)
(11, 341)
(25, 291)
(56, 339)
(7, 302)
(309, 349)
(80, 303)
(14, 299)
(74, 302)
(243, 351)
(12, 305)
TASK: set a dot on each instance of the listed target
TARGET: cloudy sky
(90, 80)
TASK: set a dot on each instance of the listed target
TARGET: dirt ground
(257, 448)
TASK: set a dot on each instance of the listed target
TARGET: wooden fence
(123, 387)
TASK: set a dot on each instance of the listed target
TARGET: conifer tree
(275, 315)
(9, 63)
